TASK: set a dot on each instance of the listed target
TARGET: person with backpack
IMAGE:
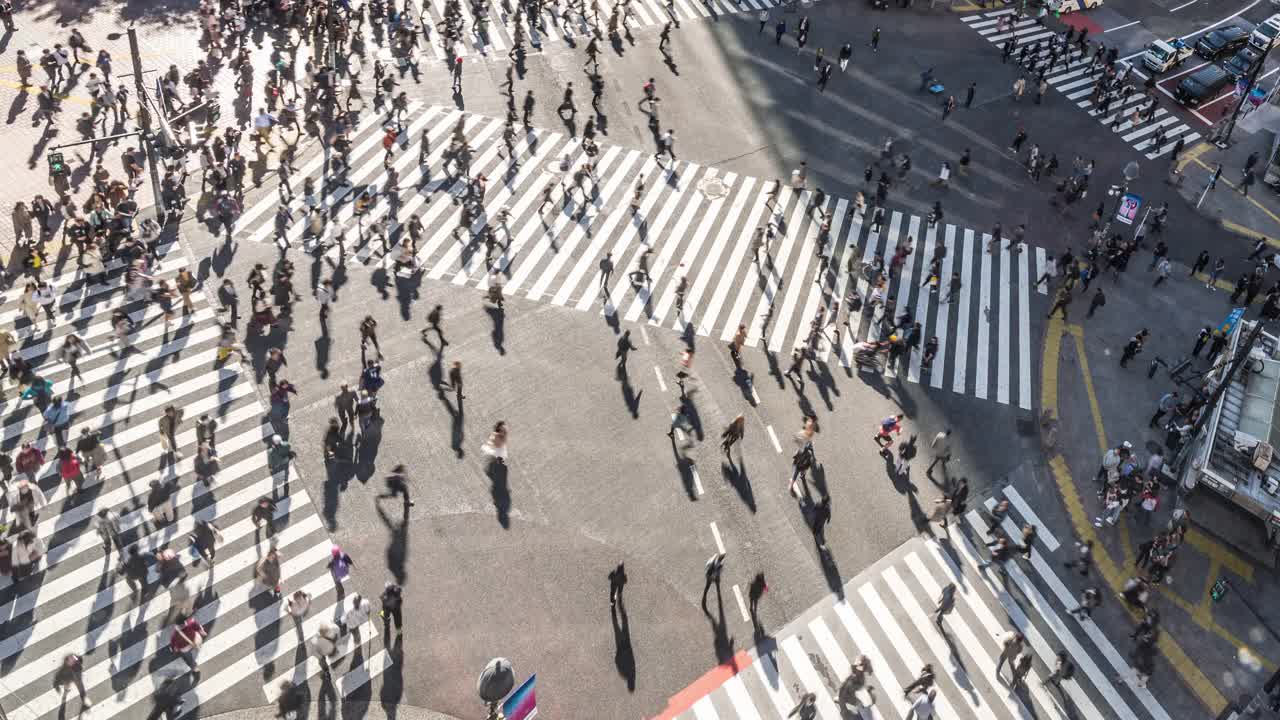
(71, 672)
(392, 604)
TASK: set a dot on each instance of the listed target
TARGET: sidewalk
(1252, 216)
(1220, 650)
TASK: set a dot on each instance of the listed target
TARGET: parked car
(1223, 40)
(1242, 63)
(1202, 85)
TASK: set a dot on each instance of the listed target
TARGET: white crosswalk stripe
(886, 614)
(620, 241)
(72, 602)
(1075, 77)
(558, 23)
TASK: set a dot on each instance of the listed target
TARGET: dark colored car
(1242, 63)
(1202, 85)
(1225, 39)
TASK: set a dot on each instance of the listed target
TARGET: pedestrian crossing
(493, 30)
(671, 244)
(1074, 78)
(74, 601)
(886, 615)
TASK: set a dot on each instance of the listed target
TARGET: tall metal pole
(144, 122)
(1253, 78)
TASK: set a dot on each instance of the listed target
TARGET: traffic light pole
(144, 123)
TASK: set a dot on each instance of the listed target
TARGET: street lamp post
(495, 682)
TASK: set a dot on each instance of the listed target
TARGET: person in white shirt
(45, 296)
(922, 708)
(357, 616)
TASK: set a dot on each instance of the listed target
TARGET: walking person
(167, 428)
(1098, 300)
(186, 639)
(392, 604)
(617, 581)
(71, 672)
(1011, 645)
(107, 525)
(732, 434)
(713, 569)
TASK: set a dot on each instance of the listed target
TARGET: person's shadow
(719, 629)
(623, 656)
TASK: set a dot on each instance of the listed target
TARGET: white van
(1265, 34)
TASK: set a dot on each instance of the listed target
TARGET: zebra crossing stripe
(729, 280)
(959, 672)
(1024, 337)
(1002, 358)
(79, 577)
(513, 186)
(1091, 629)
(742, 705)
(741, 196)
(653, 190)
(251, 213)
(767, 670)
(486, 162)
(823, 283)
(653, 231)
(598, 240)
(905, 651)
(687, 234)
(617, 167)
(312, 665)
(809, 677)
(944, 308)
(835, 656)
(85, 607)
(795, 280)
(77, 514)
(984, 320)
(862, 639)
(221, 641)
(765, 309)
(709, 217)
(643, 301)
(1065, 638)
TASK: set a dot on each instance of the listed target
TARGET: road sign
(1128, 209)
(1230, 323)
(522, 704)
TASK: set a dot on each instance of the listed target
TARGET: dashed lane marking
(774, 438)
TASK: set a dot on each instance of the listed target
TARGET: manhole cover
(712, 188)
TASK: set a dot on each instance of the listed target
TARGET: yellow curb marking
(1191, 674)
(1193, 153)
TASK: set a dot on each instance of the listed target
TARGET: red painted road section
(1080, 21)
(705, 685)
